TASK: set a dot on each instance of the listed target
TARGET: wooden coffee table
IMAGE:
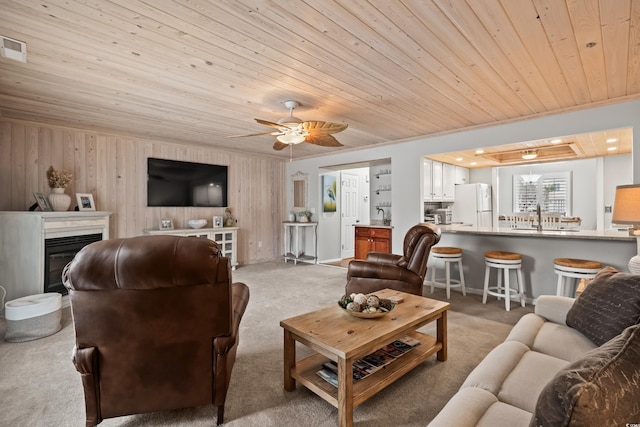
(338, 336)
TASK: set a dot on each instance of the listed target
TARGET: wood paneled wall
(114, 169)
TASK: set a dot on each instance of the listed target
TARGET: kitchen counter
(569, 233)
(373, 225)
(610, 247)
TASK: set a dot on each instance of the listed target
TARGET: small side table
(295, 241)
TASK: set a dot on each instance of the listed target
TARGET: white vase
(292, 217)
(59, 200)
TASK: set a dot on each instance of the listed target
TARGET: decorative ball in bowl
(365, 306)
(197, 223)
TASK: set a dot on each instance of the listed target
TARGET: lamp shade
(626, 207)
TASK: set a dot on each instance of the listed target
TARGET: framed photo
(85, 202)
(329, 192)
(43, 202)
(166, 224)
(217, 221)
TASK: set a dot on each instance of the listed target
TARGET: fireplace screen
(58, 253)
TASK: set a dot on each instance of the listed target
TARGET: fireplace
(58, 252)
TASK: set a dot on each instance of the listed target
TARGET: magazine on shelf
(371, 362)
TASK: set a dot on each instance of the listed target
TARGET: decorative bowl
(366, 315)
(197, 223)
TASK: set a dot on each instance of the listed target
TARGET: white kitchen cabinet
(439, 181)
(426, 192)
(432, 181)
(462, 175)
(448, 182)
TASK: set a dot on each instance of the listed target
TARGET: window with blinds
(551, 190)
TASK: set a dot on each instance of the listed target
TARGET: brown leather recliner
(400, 272)
(156, 320)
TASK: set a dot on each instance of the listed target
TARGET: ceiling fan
(291, 130)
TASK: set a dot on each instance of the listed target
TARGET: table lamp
(626, 210)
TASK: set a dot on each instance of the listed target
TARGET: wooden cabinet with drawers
(371, 239)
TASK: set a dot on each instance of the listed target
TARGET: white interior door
(349, 212)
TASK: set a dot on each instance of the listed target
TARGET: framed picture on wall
(217, 221)
(85, 202)
(166, 224)
(328, 193)
(43, 202)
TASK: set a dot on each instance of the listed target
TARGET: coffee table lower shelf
(305, 372)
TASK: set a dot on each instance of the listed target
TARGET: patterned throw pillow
(607, 306)
(601, 389)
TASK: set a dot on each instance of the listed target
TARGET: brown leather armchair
(156, 320)
(400, 272)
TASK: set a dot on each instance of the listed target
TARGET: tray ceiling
(198, 71)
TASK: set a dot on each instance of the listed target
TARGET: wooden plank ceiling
(198, 71)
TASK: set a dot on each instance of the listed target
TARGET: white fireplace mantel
(22, 236)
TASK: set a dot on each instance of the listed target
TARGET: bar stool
(503, 262)
(570, 268)
(447, 255)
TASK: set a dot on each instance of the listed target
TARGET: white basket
(32, 317)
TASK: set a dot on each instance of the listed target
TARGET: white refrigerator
(472, 205)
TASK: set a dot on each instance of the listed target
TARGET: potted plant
(58, 181)
(305, 216)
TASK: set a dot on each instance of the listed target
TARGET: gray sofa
(547, 373)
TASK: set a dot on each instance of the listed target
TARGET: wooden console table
(295, 241)
(225, 237)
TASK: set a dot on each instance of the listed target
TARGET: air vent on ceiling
(13, 49)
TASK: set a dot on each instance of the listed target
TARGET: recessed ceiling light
(556, 141)
(473, 163)
(610, 140)
(479, 151)
(458, 159)
(612, 148)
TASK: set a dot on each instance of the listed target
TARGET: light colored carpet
(40, 387)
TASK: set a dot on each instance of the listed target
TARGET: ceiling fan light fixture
(291, 138)
(529, 154)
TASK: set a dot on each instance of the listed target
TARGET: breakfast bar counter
(566, 233)
(538, 249)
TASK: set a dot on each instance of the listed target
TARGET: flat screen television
(177, 183)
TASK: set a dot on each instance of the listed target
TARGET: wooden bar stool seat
(503, 262)
(447, 255)
(572, 269)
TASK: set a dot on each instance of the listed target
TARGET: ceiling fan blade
(279, 145)
(323, 128)
(272, 124)
(255, 134)
(322, 140)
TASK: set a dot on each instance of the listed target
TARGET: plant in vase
(58, 181)
(305, 216)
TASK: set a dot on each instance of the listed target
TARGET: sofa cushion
(607, 306)
(528, 378)
(514, 374)
(477, 407)
(553, 339)
(601, 389)
(496, 367)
